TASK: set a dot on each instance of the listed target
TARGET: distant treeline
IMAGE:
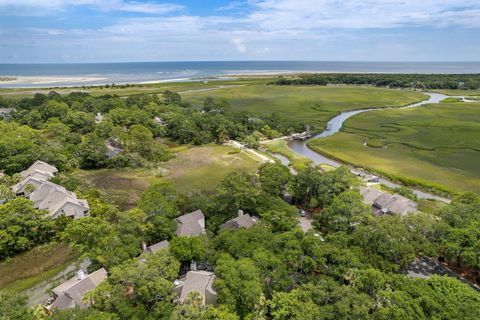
(417, 81)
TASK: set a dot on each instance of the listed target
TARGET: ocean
(51, 75)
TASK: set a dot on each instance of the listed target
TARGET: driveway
(305, 223)
(39, 295)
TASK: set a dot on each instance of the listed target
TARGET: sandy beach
(47, 80)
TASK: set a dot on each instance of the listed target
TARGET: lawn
(26, 270)
(313, 105)
(437, 145)
(193, 169)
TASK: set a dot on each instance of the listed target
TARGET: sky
(72, 31)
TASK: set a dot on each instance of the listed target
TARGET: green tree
(186, 249)
(22, 226)
(14, 307)
(274, 178)
(238, 284)
(139, 288)
(172, 97)
(81, 122)
(107, 243)
(92, 151)
(160, 199)
(236, 191)
(345, 213)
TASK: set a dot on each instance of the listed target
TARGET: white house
(47, 195)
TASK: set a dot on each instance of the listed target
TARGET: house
(241, 221)
(393, 204)
(155, 247)
(98, 118)
(113, 148)
(66, 203)
(370, 195)
(200, 281)
(191, 224)
(385, 203)
(70, 293)
(112, 151)
(160, 121)
(6, 113)
(40, 167)
(21, 190)
(47, 195)
(44, 190)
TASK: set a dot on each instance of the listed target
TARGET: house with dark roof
(155, 247)
(6, 113)
(70, 293)
(241, 221)
(199, 281)
(112, 150)
(385, 203)
(191, 224)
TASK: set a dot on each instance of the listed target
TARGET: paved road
(423, 267)
(250, 151)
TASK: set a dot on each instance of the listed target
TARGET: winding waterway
(336, 123)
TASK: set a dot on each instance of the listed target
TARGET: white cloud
(283, 29)
(349, 14)
(239, 45)
(52, 6)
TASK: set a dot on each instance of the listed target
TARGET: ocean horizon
(85, 74)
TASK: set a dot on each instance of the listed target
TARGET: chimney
(80, 274)
(144, 246)
(193, 266)
(240, 212)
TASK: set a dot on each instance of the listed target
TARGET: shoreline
(46, 80)
(11, 81)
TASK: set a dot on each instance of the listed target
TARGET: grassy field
(469, 93)
(280, 146)
(313, 105)
(154, 88)
(192, 169)
(32, 267)
(437, 145)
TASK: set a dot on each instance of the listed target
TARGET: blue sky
(37, 31)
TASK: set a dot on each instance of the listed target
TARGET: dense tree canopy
(421, 81)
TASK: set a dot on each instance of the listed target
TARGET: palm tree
(194, 299)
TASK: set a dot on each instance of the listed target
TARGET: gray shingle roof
(39, 166)
(369, 195)
(70, 293)
(158, 246)
(382, 202)
(245, 221)
(200, 281)
(191, 224)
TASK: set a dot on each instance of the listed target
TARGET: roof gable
(191, 224)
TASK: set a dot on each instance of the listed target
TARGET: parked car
(303, 213)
